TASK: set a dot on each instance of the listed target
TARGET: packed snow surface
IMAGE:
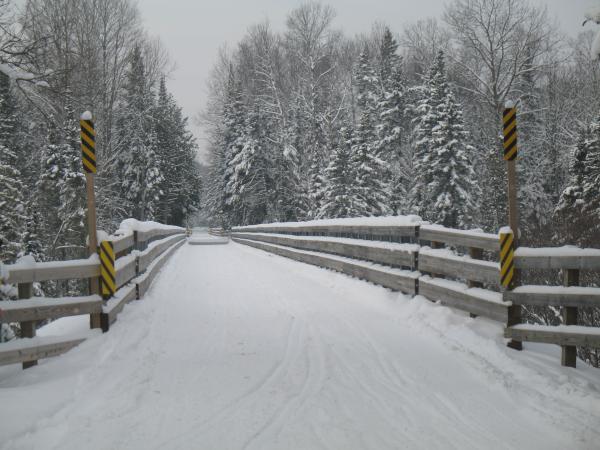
(235, 348)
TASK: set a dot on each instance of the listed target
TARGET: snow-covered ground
(235, 348)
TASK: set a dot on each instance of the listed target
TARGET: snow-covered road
(234, 348)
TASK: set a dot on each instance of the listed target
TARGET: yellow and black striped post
(507, 254)
(107, 269)
(509, 118)
(88, 144)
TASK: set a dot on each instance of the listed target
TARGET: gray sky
(193, 30)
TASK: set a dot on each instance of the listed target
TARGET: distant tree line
(310, 123)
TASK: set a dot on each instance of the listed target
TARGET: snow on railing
(141, 248)
(458, 268)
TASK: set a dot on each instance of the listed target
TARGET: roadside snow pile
(130, 225)
(383, 221)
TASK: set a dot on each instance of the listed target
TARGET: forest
(311, 123)
(59, 58)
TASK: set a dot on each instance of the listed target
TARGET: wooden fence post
(569, 315)
(475, 253)
(28, 327)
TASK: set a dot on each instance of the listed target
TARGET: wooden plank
(581, 297)
(41, 308)
(29, 350)
(126, 270)
(386, 278)
(460, 238)
(123, 244)
(460, 296)
(390, 256)
(569, 315)
(63, 270)
(27, 326)
(459, 267)
(543, 258)
(148, 256)
(572, 335)
(381, 232)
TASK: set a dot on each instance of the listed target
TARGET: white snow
(566, 250)
(509, 104)
(87, 115)
(559, 328)
(136, 225)
(237, 348)
(542, 289)
(386, 221)
(505, 230)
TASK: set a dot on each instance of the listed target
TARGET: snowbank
(130, 225)
(383, 221)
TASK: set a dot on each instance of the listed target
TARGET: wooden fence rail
(458, 268)
(140, 255)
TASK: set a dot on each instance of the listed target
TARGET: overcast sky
(193, 30)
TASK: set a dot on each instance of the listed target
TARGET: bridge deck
(235, 348)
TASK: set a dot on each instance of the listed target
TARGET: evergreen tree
(453, 193)
(392, 123)
(432, 95)
(12, 218)
(142, 177)
(573, 223)
(371, 190)
(12, 206)
(339, 195)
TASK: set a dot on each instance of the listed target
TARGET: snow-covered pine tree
(339, 195)
(392, 123)
(246, 186)
(591, 183)
(366, 81)
(431, 96)
(166, 144)
(572, 223)
(444, 190)
(453, 194)
(12, 204)
(12, 219)
(142, 177)
(371, 190)
(234, 135)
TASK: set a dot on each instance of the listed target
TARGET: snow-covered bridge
(236, 348)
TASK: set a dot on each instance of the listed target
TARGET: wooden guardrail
(569, 297)
(140, 255)
(458, 268)
(218, 232)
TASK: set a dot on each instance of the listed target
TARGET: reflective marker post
(509, 120)
(88, 158)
